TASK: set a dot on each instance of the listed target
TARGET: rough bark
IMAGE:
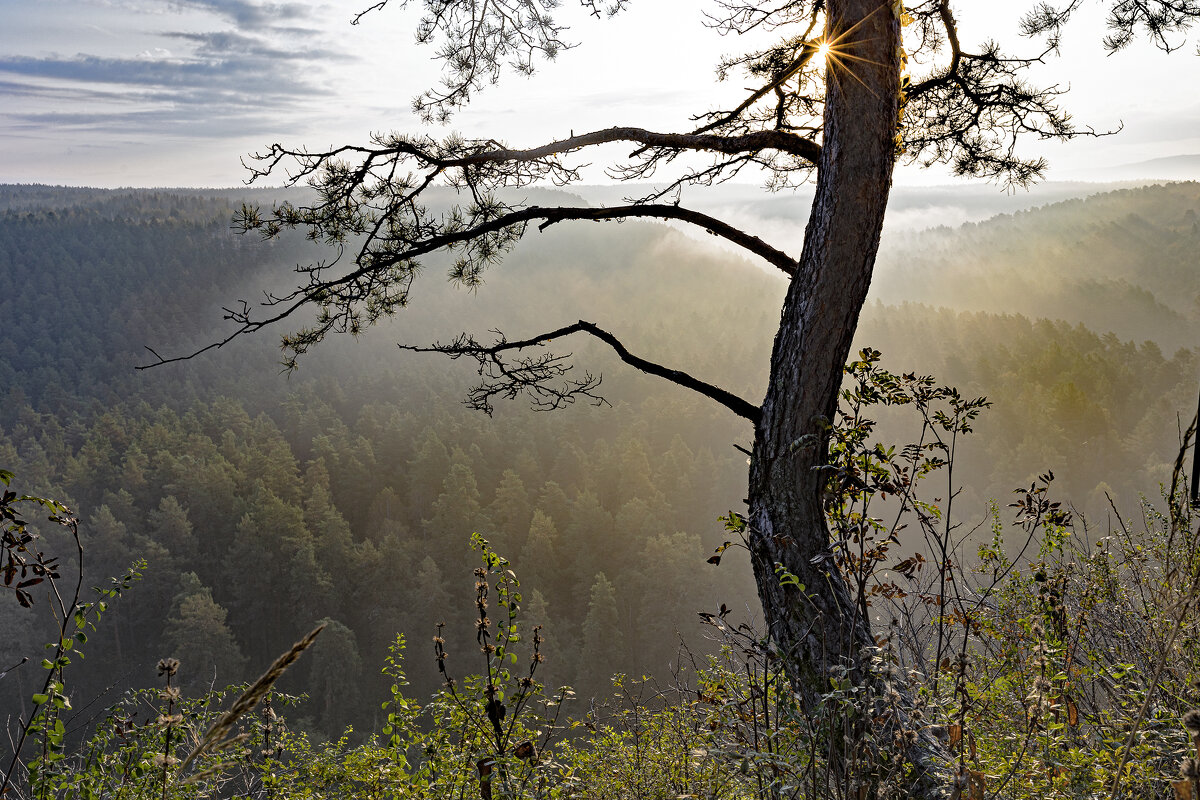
(819, 627)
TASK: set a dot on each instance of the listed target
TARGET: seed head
(1191, 720)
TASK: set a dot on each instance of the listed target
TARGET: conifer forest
(252, 507)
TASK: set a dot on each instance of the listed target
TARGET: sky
(116, 93)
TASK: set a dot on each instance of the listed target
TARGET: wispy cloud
(221, 45)
(210, 97)
(250, 14)
(127, 123)
(258, 60)
(241, 73)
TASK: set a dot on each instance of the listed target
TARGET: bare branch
(491, 162)
(532, 376)
(381, 283)
(699, 140)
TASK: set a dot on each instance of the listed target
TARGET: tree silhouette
(832, 100)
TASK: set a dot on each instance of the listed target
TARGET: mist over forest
(347, 491)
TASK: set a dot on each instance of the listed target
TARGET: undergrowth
(1052, 658)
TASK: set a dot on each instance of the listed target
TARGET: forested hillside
(262, 503)
(1121, 262)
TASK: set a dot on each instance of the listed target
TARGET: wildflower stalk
(168, 667)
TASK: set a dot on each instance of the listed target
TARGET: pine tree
(539, 562)
(635, 476)
(558, 646)
(588, 539)
(385, 513)
(456, 514)
(509, 512)
(335, 677)
(109, 539)
(637, 522)
(603, 647)
(553, 501)
(671, 575)
(426, 473)
(197, 635)
(169, 526)
(333, 540)
(673, 476)
(276, 585)
(427, 601)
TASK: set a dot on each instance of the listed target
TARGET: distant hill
(1174, 168)
(1123, 261)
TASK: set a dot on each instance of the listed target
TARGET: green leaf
(38, 699)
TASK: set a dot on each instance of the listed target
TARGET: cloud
(134, 125)
(237, 75)
(230, 85)
(234, 45)
(249, 14)
(269, 60)
(242, 13)
(181, 75)
(57, 94)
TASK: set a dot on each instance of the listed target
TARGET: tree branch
(950, 26)
(374, 282)
(457, 154)
(531, 375)
(700, 140)
(972, 113)
(807, 50)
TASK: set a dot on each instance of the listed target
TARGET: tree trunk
(819, 628)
